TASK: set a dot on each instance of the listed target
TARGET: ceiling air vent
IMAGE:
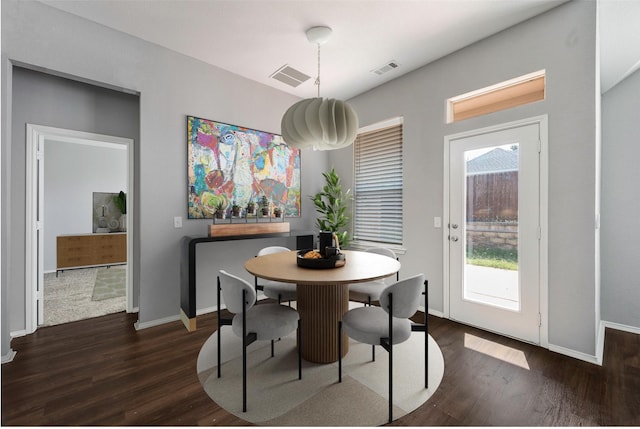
(390, 65)
(290, 76)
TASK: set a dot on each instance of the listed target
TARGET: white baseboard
(600, 343)
(150, 324)
(170, 319)
(432, 312)
(620, 327)
(575, 354)
(9, 356)
(207, 310)
(20, 333)
(213, 309)
(436, 313)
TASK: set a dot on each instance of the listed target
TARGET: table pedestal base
(320, 308)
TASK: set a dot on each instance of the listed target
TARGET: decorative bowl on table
(315, 260)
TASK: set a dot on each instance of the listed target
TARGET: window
(378, 183)
(512, 93)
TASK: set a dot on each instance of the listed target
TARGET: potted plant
(235, 209)
(277, 211)
(264, 205)
(251, 208)
(120, 202)
(220, 210)
(331, 204)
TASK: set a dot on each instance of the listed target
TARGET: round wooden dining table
(323, 294)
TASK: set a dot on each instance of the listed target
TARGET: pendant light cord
(317, 82)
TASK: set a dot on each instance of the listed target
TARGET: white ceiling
(619, 41)
(254, 38)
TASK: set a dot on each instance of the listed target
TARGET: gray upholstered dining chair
(279, 291)
(254, 322)
(388, 324)
(368, 292)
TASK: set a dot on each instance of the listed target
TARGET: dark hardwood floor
(102, 372)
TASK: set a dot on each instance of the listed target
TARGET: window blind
(378, 185)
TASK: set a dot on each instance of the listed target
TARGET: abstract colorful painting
(228, 164)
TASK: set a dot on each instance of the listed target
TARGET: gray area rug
(67, 298)
(110, 283)
(275, 396)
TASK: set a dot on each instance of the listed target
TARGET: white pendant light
(318, 123)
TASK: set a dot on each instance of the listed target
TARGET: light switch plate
(177, 222)
(437, 222)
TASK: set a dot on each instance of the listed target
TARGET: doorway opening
(79, 260)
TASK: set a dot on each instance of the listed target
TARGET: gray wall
(562, 41)
(47, 100)
(171, 86)
(620, 221)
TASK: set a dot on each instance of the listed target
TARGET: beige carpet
(275, 396)
(68, 297)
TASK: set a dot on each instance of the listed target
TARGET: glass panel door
(493, 231)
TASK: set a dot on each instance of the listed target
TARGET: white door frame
(542, 122)
(36, 135)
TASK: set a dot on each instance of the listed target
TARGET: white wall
(72, 173)
(562, 41)
(171, 86)
(620, 221)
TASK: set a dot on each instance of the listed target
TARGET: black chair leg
(390, 357)
(279, 302)
(426, 358)
(219, 317)
(340, 351)
(373, 347)
(244, 353)
(272, 353)
(426, 335)
(391, 383)
(244, 376)
(219, 372)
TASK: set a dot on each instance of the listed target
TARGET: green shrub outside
(504, 259)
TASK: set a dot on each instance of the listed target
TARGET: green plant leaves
(120, 201)
(331, 204)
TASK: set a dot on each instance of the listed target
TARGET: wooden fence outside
(492, 197)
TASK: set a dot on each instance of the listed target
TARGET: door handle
(454, 238)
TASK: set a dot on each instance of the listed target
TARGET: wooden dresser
(90, 250)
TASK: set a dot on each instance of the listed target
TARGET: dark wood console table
(304, 239)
